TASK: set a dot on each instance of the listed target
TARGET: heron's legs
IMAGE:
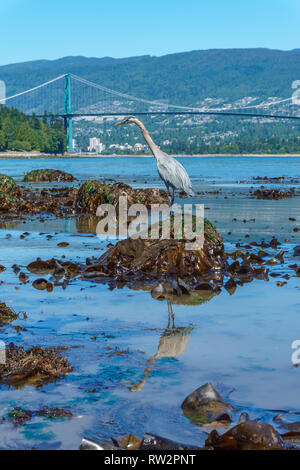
(168, 193)
(171, 314)
(173, 197)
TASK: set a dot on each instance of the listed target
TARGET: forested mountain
(183, 78)
(188, 78)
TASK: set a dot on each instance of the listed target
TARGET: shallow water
(240, 343)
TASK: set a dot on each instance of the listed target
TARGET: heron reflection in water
(172, 343)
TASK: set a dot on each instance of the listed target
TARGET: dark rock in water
(261, 274)
(35, 176)
(59, 270)
(129, 442)
(93, 193)
(205, 405)
(248, 435)
(32, 367)
(42, 267)
(294, 427)
(152, 442)
(244, 272)
(10, 193)
(2, 268)
(231, 286)
(88, 444)
(40, 284)
(297, 250)
(7, 315)
(274, 194)
(55, 267)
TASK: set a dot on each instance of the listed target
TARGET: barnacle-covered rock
(10, 192)
(36, 176)
(34, 366)
(93, 193)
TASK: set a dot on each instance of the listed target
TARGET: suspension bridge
(71, 97)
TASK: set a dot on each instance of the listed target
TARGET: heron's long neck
(153, 147)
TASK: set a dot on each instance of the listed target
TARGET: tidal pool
(239, 343)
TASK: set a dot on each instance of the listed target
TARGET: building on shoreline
(96, 145)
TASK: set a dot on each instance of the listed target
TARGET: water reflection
(172, 343)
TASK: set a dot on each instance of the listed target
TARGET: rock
(40, 284)
(57, 201)
(231, 286)
(32, 367)
(244, 272)
(2, 268)
(248, 435)
(7, 315)
(10, 193)
(129, 442)
(143, 261)
(152, 442)
(88, 444)
(93, 193)
(35, 176)
(274, 194)
(297, 250)
(293, 427)
(23, 277)
(42, 267)
(205, 405)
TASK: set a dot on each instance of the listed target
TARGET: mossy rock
(93, 193)
(205, 405)
(34, 366)
(36, 176)
(10, 192)
(7, 315)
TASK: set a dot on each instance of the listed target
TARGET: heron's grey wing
(174, 174)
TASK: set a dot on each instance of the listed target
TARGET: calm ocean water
(240, 343)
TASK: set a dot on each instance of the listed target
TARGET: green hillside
(22, 133)
(182, 78)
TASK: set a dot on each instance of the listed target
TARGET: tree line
(19, 132)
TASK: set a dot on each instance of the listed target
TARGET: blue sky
(49, 29)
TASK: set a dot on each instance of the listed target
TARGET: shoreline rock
(34, 366)
(36, 176)
(94, 192)
(205, 405)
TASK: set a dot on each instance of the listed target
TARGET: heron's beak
(119, 124)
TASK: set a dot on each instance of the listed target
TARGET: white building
(96, 145)
(139, 147)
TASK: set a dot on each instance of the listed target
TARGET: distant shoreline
(29, 156)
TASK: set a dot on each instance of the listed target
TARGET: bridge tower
(68, 112)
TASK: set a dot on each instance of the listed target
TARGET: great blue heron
(170, 170)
